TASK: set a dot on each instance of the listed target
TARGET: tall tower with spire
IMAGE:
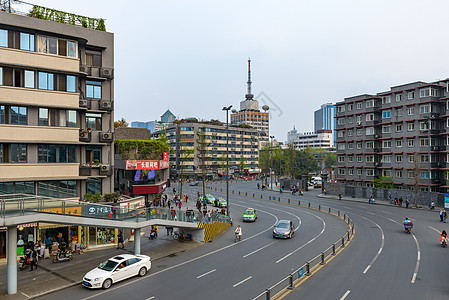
(249, 113)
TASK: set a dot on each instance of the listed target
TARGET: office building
(167, 119)
(317, 139)
(150, 125)
(387, 135)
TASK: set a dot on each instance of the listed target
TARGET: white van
(317, 181)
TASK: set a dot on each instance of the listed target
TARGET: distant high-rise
(249, 113)
(325, 117)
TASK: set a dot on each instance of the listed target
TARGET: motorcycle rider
(238, 231)
(443, 237)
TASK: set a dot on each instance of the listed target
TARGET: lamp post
(227, 157)
(271, 161)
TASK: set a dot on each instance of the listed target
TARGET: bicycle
(237, 238)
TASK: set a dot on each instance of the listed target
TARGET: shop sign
(446, 200)
(22, 226)
(96, 210)
(146, 164)
(165, 156)
(133, 204)
(71, 210)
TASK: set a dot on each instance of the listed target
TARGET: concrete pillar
(137, 241)
(11, 258)
(323, 180)
(304, 178)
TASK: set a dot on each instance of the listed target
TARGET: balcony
(40, 171)
(33, 134)
(39, 60)
(89, 170)
(36, 97)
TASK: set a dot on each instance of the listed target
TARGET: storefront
(26, 233)
(102, 236)
(3, 242)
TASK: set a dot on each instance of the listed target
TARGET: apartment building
(56, 108)
(387, 135)
(193, 140)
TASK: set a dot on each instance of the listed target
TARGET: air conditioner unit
(107, 135)
(377, 164)
(359, 123)
(105, 168)
(84, 134)
(107, 72)
(83, 103)
(434, 148)
(84, 69)
(376, 136)
(106, 105)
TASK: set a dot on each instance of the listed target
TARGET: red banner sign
(165, 156)
(146, 165)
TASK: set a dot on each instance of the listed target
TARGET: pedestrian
(258, 185)
(187, 198)
(180, 204)
(169, 230)
(444, 216)
(389, 199)
(339, 197)
(33, 259)
(432, 205)
(407, 203)
(120, 240)
(441, 215)
(173, 214)
(400, 201)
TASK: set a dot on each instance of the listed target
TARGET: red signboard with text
(165, 156)
(146, 164)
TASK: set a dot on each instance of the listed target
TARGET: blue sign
(446, 200)
(274, 198)
(300, 272)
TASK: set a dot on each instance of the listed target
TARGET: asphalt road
(223, 269)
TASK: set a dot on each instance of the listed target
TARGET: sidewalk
(50, 276)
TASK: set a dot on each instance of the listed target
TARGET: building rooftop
(131, 133)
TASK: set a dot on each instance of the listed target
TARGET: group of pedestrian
(443, 215)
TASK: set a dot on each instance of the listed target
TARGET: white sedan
(115, 269)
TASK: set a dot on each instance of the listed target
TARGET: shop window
(93, 89)
(93, 185)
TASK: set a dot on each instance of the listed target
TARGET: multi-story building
(150, 125)
(387, 135)
(56, 107)
(324, 118)
(166, 119)
(249, 113)
(193, 140)
(318, 139)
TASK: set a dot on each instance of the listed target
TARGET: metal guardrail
(288, 282)
(22, 204)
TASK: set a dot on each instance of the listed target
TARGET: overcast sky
(190, 56)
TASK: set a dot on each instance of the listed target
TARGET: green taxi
(210, 199)
(250, 215)
(220, 202)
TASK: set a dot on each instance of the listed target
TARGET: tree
(241, 164)
(384, 182)
(120, 123)
(264, 159)
(290, 159)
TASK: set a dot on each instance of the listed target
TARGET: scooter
(153, 235)
(23, 262)
(443, 242)
(67, 257)
(408, 227)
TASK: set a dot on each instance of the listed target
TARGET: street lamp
(271, 161)
(227, 157)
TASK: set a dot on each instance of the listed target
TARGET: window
(351, 171)
(93, 90)
(340, 121)
(350, 145)
(428, 92)
(47, 153)
(386, 144)
(359, 105)
(43, 117)
(341, 133)
(57, 189)
(350, 159)
(369, 117)
(93, 185)
(398, 98)
(341, 171)
(47, 44)
(369, 158)
(67, 154)
(410, 126)
(93, 154)
(386, 173)
(1, 76)
(359, 119)
(350, 107)
(71, 49)
(359, 145)
(369, 172)
(410, 142)
(423, 126)
(18, 115)
(424, 142)
(341, 146)
(398, 127)
(359, 158)
(359, 172)
(424, 108)
(29, 79)
(386, 114)
(359, 132)
(71, 84)
(399, 112)
(369, 145)
(93, 121)
(350, 133)
(398, 143)
(71, 118)
(386, 99)
(386, 158)
(410, 174)
(48, 117)
(350, 120)
(46, 81)
(26, 41)
(410, 95)
(341, 109)
(370, 103)
(18, 153)
(3, 38)
(341, 158)
(411, 111)
(411, 158)
(3, 114)
(93, 58)
(398, 174)
(398, 158)
(369, 131)
(386, 129)
(424, 158)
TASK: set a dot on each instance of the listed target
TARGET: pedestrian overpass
(19, 209)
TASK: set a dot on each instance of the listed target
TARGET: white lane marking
(187, 261)
(150, 298)
(239, 283)
(207, 273)
(368, 212)
(393, 221)
(322, 230)
(387, 212)
(380, 249)
(345, 295)
(251, 253)
(418, 259)
(435, 229)
(25, 295)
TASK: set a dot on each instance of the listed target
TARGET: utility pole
(227, 157)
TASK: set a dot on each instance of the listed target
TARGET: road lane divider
(205, 274)
(239, 283)
(257, 250)
(345, 295)
(418, 259)
(381, 245)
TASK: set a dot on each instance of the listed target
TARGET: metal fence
(310, 266)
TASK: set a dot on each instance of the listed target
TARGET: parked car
(284, 229)
(116, 269)
(194, 183)
(250, 215)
